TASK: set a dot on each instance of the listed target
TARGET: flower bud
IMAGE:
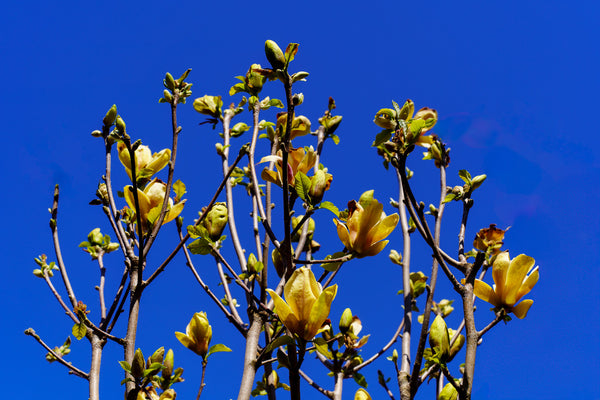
(137, 364)
(209, 105)
(298, 99)
(319, 183)
(158, 356)
(111, 114)
(254, 79)
(274, 55)
(438, 336)
(198, 334)
(216, 220)
(457, 345)
(95, 237)
(448, 392)
(345, 320)
(396, 257)
(96, 133)
(120, 125)
(168, 364)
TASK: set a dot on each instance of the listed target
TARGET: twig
(198, 222)
(74, 370)
(315, 385)
(59, 259)
(230, 299)
(382, 350)
(101, 286)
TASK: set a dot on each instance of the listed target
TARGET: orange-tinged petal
(270, 176)
(319, 312)
(343, 234)
(383, 228)
(521, 309)
(374, 249)
(528, 284)
(485, 292)
(519, 266)
(499, 271)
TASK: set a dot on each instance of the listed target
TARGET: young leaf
(327, 205)
(79, 330)
(280, 341)
(382, 137)
(302, 186)
(217, 348)
(465, 175)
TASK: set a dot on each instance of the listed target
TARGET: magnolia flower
(513, 280)
(151, 200)
(366, 226)
(146, 163)
(300, 159)
(306, 304)
(489, 239)
(197, 334)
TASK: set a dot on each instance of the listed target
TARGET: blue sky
(515, 85)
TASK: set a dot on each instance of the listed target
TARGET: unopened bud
(168, 364)
(438, 336)
(137, 365)
(120, 124)
(216, 220)
(319, 183)
(109, 118)
(345, 320)
(274, 55)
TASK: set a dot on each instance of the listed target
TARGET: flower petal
(159, 160)
(499, 271)
(521, 309)
(383, 228)
(374, 249)
(519, 266)
(485, 292)
(283, 310)
(174, 212)
(528, 284)
(319, 312)
(299, 295)
(144, 200)
(186, 341)
(343, 234)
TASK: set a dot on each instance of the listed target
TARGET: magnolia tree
(287, 292)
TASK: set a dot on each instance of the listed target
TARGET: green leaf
(79, 330)
(275, 103)
(382, 137)
(302, 186)
(280, 341)
(333, 266)
(465, 176)
(323, 348)
(299, 76)
(360, 379)
(200, 246)
(125, 365)
(179, 189)
(217, 348)
(335, 139)
(327, 205)
(449, 197)
(290, 53)
(282, 359)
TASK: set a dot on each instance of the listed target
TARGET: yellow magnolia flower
(362, 394)
(151, 199)
(306, 304)
(366, 226)
(146, 163)
(513, 279)
(198, 334)
(300, 159)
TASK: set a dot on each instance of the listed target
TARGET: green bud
(396, 257)
(168, 96)
(168, 364)
(457, 345)
(386, 118)
(209, 105)
(254, 79)
(137, 365)
(274, 55)
(95, 237)
(158, 356)
(477, 181)
(169, 82)
(438, 336)
(319, 183)
(120, 124)
(219, 147)
(252, 263)
(96, 133)
(345, 320)
(216, 220)
(38, 273)
(111, 114)
(298, 99)
(111, 247)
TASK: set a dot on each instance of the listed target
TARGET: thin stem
(315, 385)
(101, 286)
(382, 350)
(463, 228)
(59, 298)
(185, 238)
(404, 375)
(498, 318)
(434, 272)
(285, 250)
(343, 259)
(228, 297)
(230, 317)
(74, 370)
(59, 259)
(158, 224)
(202, 384)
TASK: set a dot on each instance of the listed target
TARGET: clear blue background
(515, 85)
